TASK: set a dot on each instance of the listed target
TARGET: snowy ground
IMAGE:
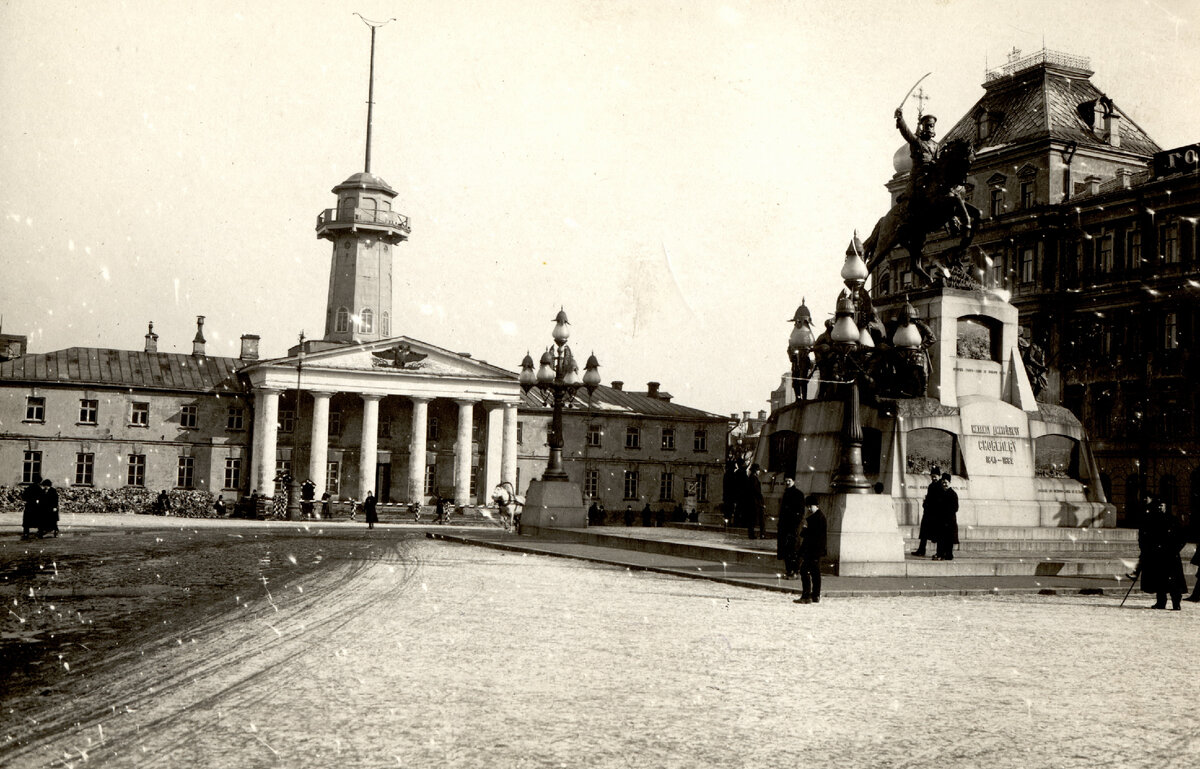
(445, 655)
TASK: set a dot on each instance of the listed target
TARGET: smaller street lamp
(557, 379)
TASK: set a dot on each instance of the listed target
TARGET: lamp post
(557, 378)
(850, 343)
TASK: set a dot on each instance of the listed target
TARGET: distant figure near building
(947, 521)
(31, 495)
(48, 509)
(929, 511)
(162, 503)
(646, 515)
(369, 510)
(787, 538)
(755, 507)
(813, 534)
(326, 505)
(308, 492)
(219, 507)
(628, 515)
(1161, 539)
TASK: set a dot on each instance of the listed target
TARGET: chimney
(652, 389)
(734, 416)
(1092, 185)
(249, 347)
(745, 416)
(198, 340)
(618, 385)
(1112, 124)
(1125, 177)
(151, 339)
(762, 415)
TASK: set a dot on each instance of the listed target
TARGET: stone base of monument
(553, 505)
(864, 540)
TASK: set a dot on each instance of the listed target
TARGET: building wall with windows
(1103, 269)
(630, 448)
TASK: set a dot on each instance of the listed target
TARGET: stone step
(1034, 533)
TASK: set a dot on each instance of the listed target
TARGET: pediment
(396, 355)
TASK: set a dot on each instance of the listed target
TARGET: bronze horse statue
(935, 203)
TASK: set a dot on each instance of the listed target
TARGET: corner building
(1091, 227)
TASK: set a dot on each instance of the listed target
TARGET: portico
(342, 414)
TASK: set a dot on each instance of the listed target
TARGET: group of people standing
(800, 540)
(939, 517)
(744, 503)
(1160, 539)
(41, 509)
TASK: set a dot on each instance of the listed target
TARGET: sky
(677, 176)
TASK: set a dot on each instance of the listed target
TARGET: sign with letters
(1180, 160)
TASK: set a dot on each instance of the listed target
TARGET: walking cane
(1132, 582)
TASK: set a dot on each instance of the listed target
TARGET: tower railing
(332, 216)
(1044, 56)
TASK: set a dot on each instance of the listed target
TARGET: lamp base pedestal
(553, 504)
(864, 538)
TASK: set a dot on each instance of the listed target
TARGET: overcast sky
(676, 175)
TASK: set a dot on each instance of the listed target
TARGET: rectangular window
(85, 465)
(997, 202)
(335, 423)
(89, 411)
(631, 484)
(137, 470)
(1104, 255)
(1133, 249)
(591, 483)
(233, 473)
(433, 430)
(35, 409)
(333, 477)
(385, 428)
(633, 438)
(520, 432)
(668, 439)
(666, 486)
(700, 440)
(189, 416)
(287, 421)
(1026, 194)
(283, 467)
(185, 476)
(702, 488)
(31, 467)
(139, 414)
(474, 481)
(430, 479)
(236, 419)
(1168, 242)
(1027, 254)
(594, 433)
(1170, 331)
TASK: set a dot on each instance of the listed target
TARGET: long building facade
(1090, 226)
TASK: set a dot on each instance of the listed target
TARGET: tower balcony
(387, 225)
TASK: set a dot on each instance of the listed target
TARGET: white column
(266, 427)
(508, 462)
(462, 453)
(318, 455)
(493, 451)
(416, 450)
(369, 448)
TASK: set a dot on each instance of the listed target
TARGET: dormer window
(983, 125)
(343, 320)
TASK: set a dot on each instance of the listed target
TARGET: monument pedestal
(553, 505)
(864, 539)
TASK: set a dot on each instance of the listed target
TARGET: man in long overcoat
(787, 539)
(947, 530)
(812, 549)
(1161, 539)
(48, 509)
(755, 507)
(369, 510)
(29, 518)
(929, 511)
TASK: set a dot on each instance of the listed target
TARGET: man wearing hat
(929, 511)
(812, 550)
(787, 538)
(753, 500)
(922, 148)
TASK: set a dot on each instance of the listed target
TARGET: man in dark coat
(787, 538)
(947, 521)
(752, 503)
(647, 515)
(369, 510)
(929, 511)
(48, 509)
(1161, 539)
(32, 495)
(628, 515)
(308, 492)
(593, 515)
(812, 549)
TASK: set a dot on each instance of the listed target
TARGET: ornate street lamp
(846, 336)
(557, 378)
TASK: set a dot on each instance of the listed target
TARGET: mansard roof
(607, 401)
(1040, 102)
(125, 368)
